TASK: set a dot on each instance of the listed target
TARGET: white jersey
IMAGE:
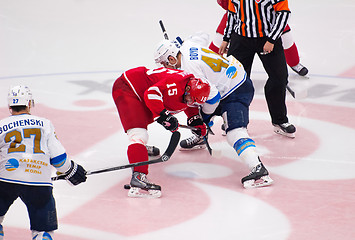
(28, 148)
(226, 75)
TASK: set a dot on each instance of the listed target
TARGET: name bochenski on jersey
(20, 123)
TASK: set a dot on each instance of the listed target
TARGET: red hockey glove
(196, 121)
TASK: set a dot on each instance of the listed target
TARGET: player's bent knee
(137, 135)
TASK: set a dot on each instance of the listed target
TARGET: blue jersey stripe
(26, 183)
(235, 87)
(59, 161)
(215, 99)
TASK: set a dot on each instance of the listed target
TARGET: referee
(255, 27)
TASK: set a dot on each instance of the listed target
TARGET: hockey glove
(196, 121)
(76, 174)
(168, 121)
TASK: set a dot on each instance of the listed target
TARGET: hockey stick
(174, 140)
(212, 153)
(188, 127)
(293, 94)
(163, 29)
(178, 39)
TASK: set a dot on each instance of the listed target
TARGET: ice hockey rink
(70, 52)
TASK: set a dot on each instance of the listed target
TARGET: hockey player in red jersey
(143, 96)
(289, 45)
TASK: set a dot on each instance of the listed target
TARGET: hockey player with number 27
(232, 102)
(143, 96)
(28, 150)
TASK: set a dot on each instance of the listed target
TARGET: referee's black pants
(244, 50)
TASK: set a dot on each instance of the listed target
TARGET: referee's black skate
(286, 129)
(258, 177)
(192, 143)
(140, 186)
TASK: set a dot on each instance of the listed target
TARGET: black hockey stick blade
(209, 131)
(293, 94)
(163, 29)
(208, 144)
(213, 152)
(174, 140)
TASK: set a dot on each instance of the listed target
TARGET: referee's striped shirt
(257, 18)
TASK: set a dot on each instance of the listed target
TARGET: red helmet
(197, 90)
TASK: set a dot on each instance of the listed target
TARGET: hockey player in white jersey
(29, 149)
(235, 93)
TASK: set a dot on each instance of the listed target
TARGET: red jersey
(160, 89)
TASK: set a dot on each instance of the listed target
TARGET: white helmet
(165, 49)
(19, 96)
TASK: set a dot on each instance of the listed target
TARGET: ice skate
(224, 133)
(153, 151)
(300, 69)
(140, 187)
(286, 129)
(258, 177)
(192, 143)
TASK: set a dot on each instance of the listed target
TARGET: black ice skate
(141, 187)
(258, 177)
(300, 69)
(152, 151)
(192, 143)
(286, 129)
(223, 128)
